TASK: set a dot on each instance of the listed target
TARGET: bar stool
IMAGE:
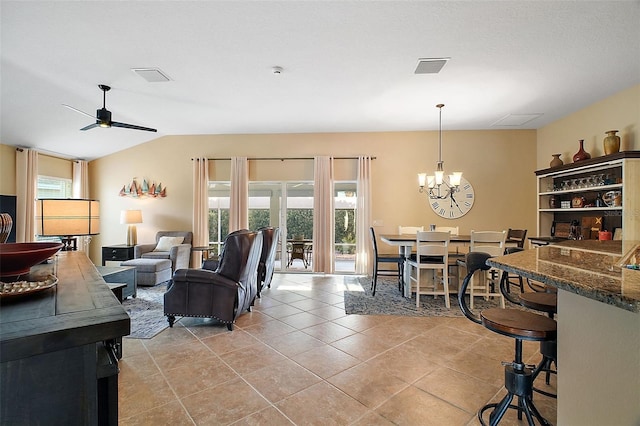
(543, 302)
(519, 325)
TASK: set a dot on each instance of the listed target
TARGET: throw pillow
(165, 243)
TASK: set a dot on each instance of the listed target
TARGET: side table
(206, 251)
(119, 252)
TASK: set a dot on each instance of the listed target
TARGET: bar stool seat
(543, 302)
(546, 302)
(519, 325)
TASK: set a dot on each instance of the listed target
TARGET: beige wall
(47, 166)
(586, 326)
(618, 112)
(499, 164)
(7, 170)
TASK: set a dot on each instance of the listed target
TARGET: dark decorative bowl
(18, 258)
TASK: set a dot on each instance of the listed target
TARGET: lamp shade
(67, 217)
(130, 216)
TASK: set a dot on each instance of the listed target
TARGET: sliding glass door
(289, 206)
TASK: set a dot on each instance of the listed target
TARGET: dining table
(406, 242)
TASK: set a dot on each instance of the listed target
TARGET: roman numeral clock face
(458, 204)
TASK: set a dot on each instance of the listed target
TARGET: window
(53, 187)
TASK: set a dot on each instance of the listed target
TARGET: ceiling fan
(103, 115)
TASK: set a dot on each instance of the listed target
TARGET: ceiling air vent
(430, 65)
(152, 75)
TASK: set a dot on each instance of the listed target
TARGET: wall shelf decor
(597, 193)
(136, 190)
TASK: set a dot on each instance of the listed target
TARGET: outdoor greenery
(299, 223)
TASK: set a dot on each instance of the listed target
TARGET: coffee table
(121, 274)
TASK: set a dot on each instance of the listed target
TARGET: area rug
(389, 301)
(147, 311)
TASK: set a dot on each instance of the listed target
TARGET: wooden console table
(58, 362)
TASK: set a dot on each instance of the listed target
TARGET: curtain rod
(287, 158)
(51, 154)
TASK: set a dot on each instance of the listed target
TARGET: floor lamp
(131, 217)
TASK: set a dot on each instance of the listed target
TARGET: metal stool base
(519, 383)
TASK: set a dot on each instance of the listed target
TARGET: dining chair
(515, 238)
(454, 254)
(408, 230)
(432, 253)
(454, 230)
(296, 250)
(398, 260)
(492, 243)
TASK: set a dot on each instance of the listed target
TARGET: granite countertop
(590, 268)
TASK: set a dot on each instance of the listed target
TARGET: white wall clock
(457, 204)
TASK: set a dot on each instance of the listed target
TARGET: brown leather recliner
(270, 237)
(222, 294)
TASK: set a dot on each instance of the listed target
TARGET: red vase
(581, 154)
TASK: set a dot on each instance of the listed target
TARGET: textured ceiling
(347, 66)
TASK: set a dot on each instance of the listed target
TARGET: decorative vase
(611, 142)
(581, 154)
(556, 162)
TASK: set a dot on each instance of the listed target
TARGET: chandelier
(437, 187)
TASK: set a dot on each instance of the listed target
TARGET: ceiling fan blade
(90, 126)
(77, 110)
(132, 126)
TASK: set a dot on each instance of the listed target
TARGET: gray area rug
(147, 311)
(389, 301)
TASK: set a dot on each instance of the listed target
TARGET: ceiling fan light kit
(103, 115)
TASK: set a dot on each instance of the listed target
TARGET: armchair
(222, 294)
(179, 254)
(270, 237)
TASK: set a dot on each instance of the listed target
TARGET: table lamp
(131, 217)
(67, 218)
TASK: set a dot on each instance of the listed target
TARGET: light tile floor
(298, 359)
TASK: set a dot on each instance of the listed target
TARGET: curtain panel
(363, 220)
(80, 189)
(200, 208)
(26, 193)
(323, 216)
(239, 207)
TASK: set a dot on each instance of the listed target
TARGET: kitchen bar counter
(589, 268)
(598, 326)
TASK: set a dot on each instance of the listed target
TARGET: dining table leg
(406, 253)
